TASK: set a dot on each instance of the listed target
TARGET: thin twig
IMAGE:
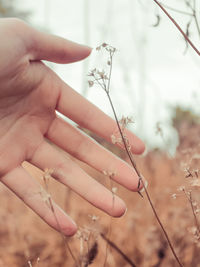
(194, 214)
(110, 224)
(189, 197)
(146, 191)
(178, 27)
(138, 173)
(195, 18)
(50, 203)
(117, 121)
(67, 246)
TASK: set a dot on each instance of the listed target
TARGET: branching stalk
(145, 189)
(104, 83)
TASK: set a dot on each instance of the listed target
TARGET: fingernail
(86, 46)
(124, 213)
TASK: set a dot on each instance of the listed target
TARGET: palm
(30, 95)
(27, 115)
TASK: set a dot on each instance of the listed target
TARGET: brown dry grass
(24, 237)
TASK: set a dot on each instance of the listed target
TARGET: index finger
(44, 46)
(87, 115)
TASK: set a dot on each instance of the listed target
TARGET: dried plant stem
(50, 203)
(195, 217)
(104, 82)
(195, 18)
(178, 27)
(107, 244)
(176, 10)
(135, 167)
(141, 180)
(189, 197)
(118, 250)
(197, 24)
(193, 14)
(30, 264)
(67, 246)
(107, 90)
(88, 245)
(110, 226)
(122, 136)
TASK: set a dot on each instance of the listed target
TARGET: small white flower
(181, 188)
(91, 83)
(174, 196)
(47, 173)
(194, 203)
(197, 211)
(192, 230)
(114, 190)
(113, 139)
(105, 172)
(94, 218)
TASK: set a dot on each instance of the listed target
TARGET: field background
(155, 79)
(136, 237)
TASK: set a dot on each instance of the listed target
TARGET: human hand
(30, 95)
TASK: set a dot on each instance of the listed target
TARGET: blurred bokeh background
(156, 81)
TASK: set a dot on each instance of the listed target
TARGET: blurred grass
(25, 237)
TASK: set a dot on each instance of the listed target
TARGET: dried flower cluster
(108, 48)
(116, 137)
(101, 77)
(88, 238)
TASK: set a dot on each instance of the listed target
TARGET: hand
(30, 95)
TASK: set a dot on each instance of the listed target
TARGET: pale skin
(30, 93)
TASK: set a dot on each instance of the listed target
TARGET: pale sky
(150, 70)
